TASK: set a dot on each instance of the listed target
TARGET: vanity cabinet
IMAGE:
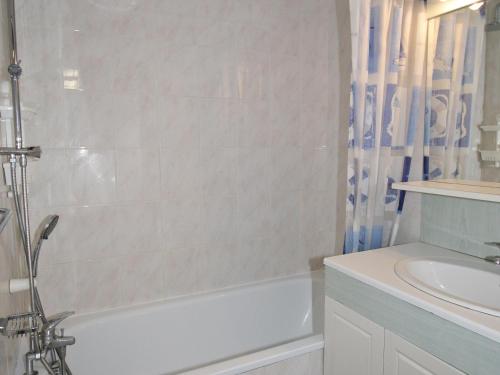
(403, 358)
(354, 345)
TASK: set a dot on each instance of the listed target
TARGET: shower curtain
(387, 100)
(389, 106)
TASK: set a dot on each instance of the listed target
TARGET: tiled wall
(188, 144)
(461, 224)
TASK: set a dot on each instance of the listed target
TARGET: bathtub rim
(80, 320)
(261, 358)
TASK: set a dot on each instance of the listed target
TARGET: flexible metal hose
(15, 192)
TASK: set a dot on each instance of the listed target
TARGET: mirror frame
(436, 8)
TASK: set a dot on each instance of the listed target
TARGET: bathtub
(230, 331)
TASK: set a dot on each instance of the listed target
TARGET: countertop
(376, 268)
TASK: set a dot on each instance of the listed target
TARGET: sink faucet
(493, 258)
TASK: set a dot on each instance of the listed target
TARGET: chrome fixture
(45, 344)
(55, 343)
(44, 230)
(493, 258)
(49, 337)
(34, 152)
(17, 325)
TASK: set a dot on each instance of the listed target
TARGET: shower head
(44, 230)
(48, 225)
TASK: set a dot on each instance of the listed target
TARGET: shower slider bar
(34, 152)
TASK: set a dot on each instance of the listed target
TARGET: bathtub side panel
(306, 364)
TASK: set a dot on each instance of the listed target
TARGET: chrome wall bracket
(33, 151)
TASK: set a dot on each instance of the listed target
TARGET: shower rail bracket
(34, 151)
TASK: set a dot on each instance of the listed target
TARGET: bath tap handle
(49, 337)
(61, 341)
(54, 320)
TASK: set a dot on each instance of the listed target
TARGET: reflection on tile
(252, 75)
(70, 177)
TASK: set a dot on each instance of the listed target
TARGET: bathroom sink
(471, 283)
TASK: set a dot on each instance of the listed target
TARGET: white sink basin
(474, 284)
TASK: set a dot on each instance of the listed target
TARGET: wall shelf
(494, 26)
(477, 190)
(490, 155)
(490, 128)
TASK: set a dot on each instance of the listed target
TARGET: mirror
(462, 122)
(436, 8)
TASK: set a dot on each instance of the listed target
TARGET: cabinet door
(403, 358)
(354, 345)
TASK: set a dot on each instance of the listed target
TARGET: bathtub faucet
(57, 342)
(49, 336)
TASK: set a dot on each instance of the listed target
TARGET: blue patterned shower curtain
(387, 101)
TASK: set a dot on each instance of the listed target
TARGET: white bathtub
(226, 332)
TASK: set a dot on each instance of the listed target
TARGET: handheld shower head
(44, 230)
(48, 225)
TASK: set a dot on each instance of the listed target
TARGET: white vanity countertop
(376, 268)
